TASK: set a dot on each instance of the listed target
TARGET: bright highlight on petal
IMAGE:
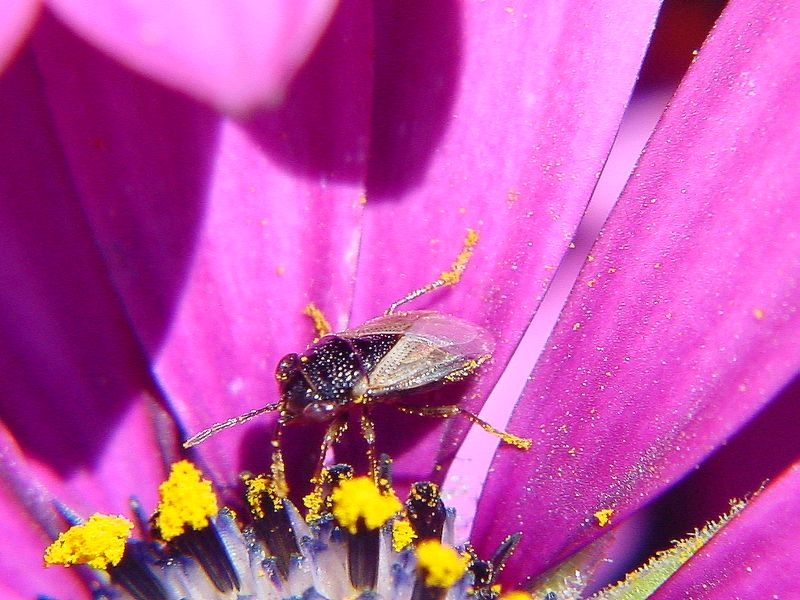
(187, 501)
(442, 565)
(98, 542)
(359, 502)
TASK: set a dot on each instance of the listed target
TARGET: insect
(382, 360)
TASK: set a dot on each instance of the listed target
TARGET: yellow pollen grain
(453, 276)
(402, 534)
(758, 313)
(321, 325)
(99, 542)
(603, 516)
(442, 565)
(358, 501)
(186, 501)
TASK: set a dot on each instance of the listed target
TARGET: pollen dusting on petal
(402, 534)
(642, 582)
(98, 542)
(359, 500)
(187, 501)
(603, 516)
(442, 565)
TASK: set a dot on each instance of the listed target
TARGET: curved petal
(496, 117)
(684, 323)
(212, 238)
(16, 19)
(235, 54)
(280, 231)
(72, 369)
(754, 556)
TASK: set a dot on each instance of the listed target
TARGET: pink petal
(754, 556)
(497, 118)
(73, 371)
(16, 19)
(684, 324)
(280, 231)
(235, 54)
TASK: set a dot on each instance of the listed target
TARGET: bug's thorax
(332, 372)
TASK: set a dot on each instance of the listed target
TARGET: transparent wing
(432, 348)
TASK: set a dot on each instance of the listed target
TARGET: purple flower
(157, 255)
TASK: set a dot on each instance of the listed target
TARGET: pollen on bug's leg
(99, 542)
(453, 275)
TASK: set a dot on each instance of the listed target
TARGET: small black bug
(380, 361)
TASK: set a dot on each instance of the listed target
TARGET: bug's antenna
(207, 433)
(450, 277)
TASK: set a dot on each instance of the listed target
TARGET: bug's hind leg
(368, 432)
(450, 277)
(451, 410)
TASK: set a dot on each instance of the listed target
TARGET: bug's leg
(207, 433)
(368, 431)
(450, 277)
(452, 410)
(321, 324)
(332, 435)
(277, 467)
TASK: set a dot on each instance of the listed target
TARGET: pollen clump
(187, 501)
(359, 501)
(516, 596)
(402, 534)
(98, 542)
(442, 565)
(257, 488)
(603, 516)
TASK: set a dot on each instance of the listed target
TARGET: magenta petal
(281, 230)
(498, 118)
(235, 54)
(754, 556)
(685, 322)
(16, 18)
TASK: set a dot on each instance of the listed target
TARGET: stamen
(441, 566)
(271, 523)
(361, 508)
(99, 542)
(426, 511)
(359, 502)
(187, 501)
(403, 534)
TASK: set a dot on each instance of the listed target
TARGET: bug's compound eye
(320, 412)
(287, 365)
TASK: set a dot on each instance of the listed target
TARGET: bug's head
(298, 396)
